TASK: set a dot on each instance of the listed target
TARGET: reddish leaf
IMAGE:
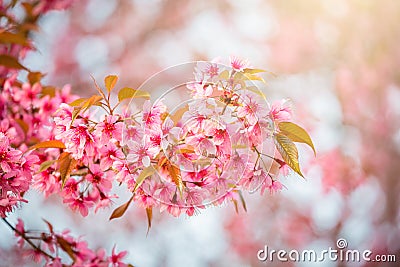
(49, 90)
(49, 144)
(49, 225)
(24, 126)
(13, 38)
(35, 77)
(11, 62)
(66, 246)
(118, 212)
(149, 213)
(67, 164)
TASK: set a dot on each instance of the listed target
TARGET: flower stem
(28, 240)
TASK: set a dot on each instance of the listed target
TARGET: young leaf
(66, 246)
(253, 77)
(49, 90)
(147, 172)
(11, 62)
(13, 38)
(224, 75)
(35, 77)
(24, 126)
(118, 212)
(253, 71)
(45, 165)
(254, 89)
(288, 150)
(296, 133)
(149, 213)
(110, 82)
(93, 100)
(78, 102)
(242, 200)
(175, 173)
(127, 92)
(49, 144)
(67, 164)
(235, 204)
(177, 116)
(83, 104)
(49, 225)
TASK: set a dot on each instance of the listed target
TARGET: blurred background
(339, 63)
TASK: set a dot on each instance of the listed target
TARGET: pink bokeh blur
(338, 61)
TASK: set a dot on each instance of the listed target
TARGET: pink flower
(272, 185)
(109, 154)
(79, 203)
(206, 70)
(7, 130)
(8, 156)
(200, 90)
(46, 182)
(116, 259)
(251, 109)
(238, 64)
(131, 132)
(109, 129)
(7, 203)
(98, 178)
(280, 111)
(123, 171)
(20, 232)
(104, 202)
(152, 114)
(78, 140)
(141, 152)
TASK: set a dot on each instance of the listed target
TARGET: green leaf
(118, 212)
(288, 150)
(242, 200)
(83, 104)
(49, 144)
(296, 133)
(45, 165)
(256, 90)
(11, 62)
(177, 116)
(110, 82)
(253, 77)
(78, 102)
(253, 71)
(224, 75)
(127, 92)
(147, 172)
(67, 164)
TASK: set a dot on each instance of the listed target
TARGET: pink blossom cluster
(51, 246)
(25, 119)
(207, 155)
(15, 170)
